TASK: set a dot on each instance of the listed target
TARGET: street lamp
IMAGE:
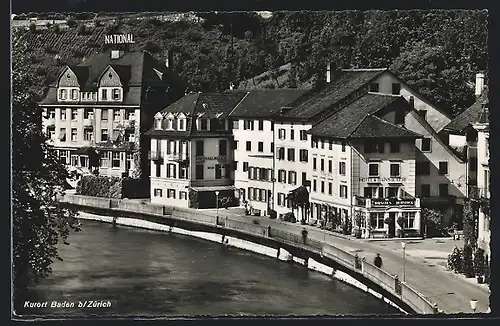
(473, 305)
(403, 245)
(217, 207)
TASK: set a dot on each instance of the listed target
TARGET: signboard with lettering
(378, 180)
(393, 202)
(119, 39)
(210, 158)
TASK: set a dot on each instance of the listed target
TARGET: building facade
(191, 152)
(95, 113)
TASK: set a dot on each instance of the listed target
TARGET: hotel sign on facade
(380, 180)
(119, 39)
(379, 202)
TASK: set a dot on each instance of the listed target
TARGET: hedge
(111, 187)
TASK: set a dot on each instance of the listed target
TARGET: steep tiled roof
(264, 103)
(373, 126)
(470, 116)
(345, 83)
(354, 119)
(135, 69)
(206, 105)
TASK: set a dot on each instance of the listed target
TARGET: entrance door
(392, 225)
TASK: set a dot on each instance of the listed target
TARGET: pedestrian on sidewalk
(378, 261)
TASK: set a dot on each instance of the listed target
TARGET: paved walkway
(425, 262)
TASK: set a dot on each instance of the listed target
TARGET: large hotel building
(95, 113)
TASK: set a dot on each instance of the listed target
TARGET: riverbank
(280, 253)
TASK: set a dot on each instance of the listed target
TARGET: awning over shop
(214, 188)
(301, 193)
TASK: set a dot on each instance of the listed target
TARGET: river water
(147, 273)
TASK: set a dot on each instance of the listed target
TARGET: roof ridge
(359, 124)
(241, 100)
(394, 125)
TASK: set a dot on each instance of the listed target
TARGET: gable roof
(264, 103)
(346, 122)
(346, 83)
(468, 117)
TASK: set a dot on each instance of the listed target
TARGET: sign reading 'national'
(119, 39)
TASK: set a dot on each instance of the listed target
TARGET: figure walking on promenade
(378, 261)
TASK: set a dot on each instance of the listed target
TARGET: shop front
(388, 217)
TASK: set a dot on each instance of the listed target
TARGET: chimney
(231, 86)
(168, 59)
(328, 72)
(479, 84)
(412, 101)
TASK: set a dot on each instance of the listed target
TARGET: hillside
(437, 52)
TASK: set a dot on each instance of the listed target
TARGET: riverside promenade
(450, 291)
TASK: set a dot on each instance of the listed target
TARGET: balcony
(153, 155)
(177, 157)
(211, 182)
(386, 202)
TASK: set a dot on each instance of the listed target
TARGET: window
(182, 195)
(314, 185)
(62, 134)
(260, 147)
(104, 114)
(377, 220)
(203, 124)
(282, 176)
(343, 146)
(200, 148)
(423, 114)
(74, 114)
(443, 168)
(322, 187)
(330, 145)
(409, 220)
(115, 163)
(374, 87)
(373, 169)
(245, 166)
(303, 135)
(314, 163)
(322, 164)
(104, 135)
(487, 146)
(399, 117)
(281, 134)
(443, 190)
(63, 94)
(104, 94)
(63, 114)
(292, 134)
(395, 146)
(218, 171)
(74, 94)
(292, 177)
(272, 147)
(116, 94)
(395, 169)
(304, 178)
(261, 125)
(74, 134)
(222, 147)
(199, 172)
(105, 156)
(158, 192)
(330, 166)
(248, 124)
(88, 114)
(303, 157)
(171, 171)
(281, 153)
(130, 115)
(322, 144)
(74, 160)
(116, 114)
(426, 145)
(249, 146)
(51, 114)
(392, 192)
(396, 88)
(343, 191)
(342, 168)
(425, 190)
(291, 154)
(330, 188)
(88, 134)
(181, 124)
(423, 168)
(381, 147)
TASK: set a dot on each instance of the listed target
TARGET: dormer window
(181, 124)
(158, 124)
(203, 124)
(104, 94)
(63, 94)
(170, 124)
(74, 94)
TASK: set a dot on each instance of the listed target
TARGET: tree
(40, 222)
(470, 229)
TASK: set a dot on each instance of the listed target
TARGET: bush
(455, 260)
(100, 186)
(289, 217)
(433, 222)
(479, 262)
(468, 266)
